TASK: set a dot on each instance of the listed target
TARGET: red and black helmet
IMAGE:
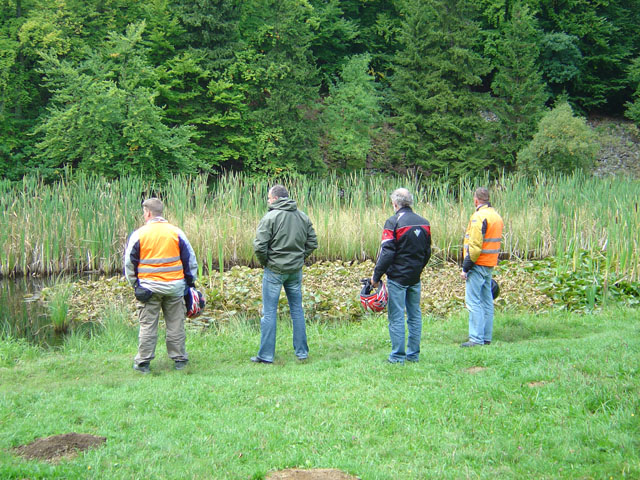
(194, 301)
(373, 300)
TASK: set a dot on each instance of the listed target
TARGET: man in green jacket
(285, 238)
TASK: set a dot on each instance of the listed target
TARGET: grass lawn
(555, 396)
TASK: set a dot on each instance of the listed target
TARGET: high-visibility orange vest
(490, 240)
(159, 253)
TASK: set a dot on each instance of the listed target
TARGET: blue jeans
(479, 303)
(404, 298)
(271, 285)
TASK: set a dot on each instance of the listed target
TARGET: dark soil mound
(57, 447)
(316, 474)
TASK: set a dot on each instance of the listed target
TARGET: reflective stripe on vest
(491, 241)
(160, 253)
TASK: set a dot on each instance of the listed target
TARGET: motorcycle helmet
(373, 300)
(194, 301)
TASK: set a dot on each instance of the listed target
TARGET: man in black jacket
(404, 252)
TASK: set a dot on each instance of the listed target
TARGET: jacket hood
(284, 204)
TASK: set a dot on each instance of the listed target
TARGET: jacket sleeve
(132, 258)
(475, 234)
(312, 241)
(387, 250)
(262, 240)
(427, 253)
(188, 258)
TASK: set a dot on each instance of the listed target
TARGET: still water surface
(22, 315)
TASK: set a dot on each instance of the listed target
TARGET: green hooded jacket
(285, 237)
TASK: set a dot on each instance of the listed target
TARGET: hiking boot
(181, 364)
(142, 368)
(470, 344)
(487, 342)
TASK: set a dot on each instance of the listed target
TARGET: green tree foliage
(103, 118)
(438, 113)
(561, 60)
(198, 86)
(517, 84)
(562, 144)
(351, 115)
(379, 25)
(252, 78)
(283, 86)
(333, 37)
(633, 108)
(608, 34)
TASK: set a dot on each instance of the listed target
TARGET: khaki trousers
(174, 311)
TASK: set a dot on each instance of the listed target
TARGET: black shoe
(395, 362)
(470, 344)
(302, 359)
(259, 360)
(142, 368)
(181, 364)
(487, 342)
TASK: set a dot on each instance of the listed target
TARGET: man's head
(481, 196)
(152, 207)
(276, 192)
(401, 198)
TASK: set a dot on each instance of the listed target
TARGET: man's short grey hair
(402, 198)
(154, 205)
(482, 194)
(278, 191)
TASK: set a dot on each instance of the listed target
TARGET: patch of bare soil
(536, 384)
(315, 474)
(57, 447)
(475, 369)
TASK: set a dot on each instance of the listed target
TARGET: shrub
(562, 144)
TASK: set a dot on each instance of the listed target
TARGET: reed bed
(82, 224)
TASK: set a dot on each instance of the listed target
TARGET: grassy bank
(83, 224)
(556, 396)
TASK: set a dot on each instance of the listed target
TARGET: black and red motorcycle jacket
(405, 248)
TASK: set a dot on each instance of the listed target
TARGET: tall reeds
(83, 223)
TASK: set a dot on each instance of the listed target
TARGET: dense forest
(442, 87)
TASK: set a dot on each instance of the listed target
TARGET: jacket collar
(156, 219)
(404, 210)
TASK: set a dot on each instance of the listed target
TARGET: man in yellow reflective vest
(481, 248)
(160, 264)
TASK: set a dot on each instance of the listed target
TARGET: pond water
(22, 315)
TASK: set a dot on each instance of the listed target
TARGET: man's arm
(312, 241)
(427, 253)
(132, 259)
(262, 240)
(474, 243)
(188, 258)
(387, 251)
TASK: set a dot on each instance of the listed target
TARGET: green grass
(558, 397)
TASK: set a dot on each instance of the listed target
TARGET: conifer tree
(198, 86)
(517, 84)
(350, 116)
(279, 68)
(438, 113)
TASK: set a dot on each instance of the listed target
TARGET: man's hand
(463, 275)
(374, 284)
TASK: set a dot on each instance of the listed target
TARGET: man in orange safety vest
(481, 249)
(160, 264)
